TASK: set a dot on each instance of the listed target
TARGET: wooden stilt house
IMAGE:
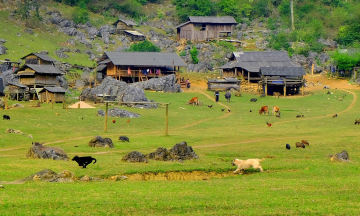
(52, 94)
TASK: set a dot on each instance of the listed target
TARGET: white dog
(246, 164)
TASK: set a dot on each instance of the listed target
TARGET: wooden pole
(312, 69)
(52, 104)
(79, 105)
(167, 120)
(6, 101)
(106, 116)
(242, 74)
(302, 90)
(248, 77)
(266, 88)
(63, 104)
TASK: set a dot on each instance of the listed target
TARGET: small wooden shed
(52, 94)
(135, 35)
(223, 84)
(123, 24)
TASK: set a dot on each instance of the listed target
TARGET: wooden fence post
(106, 116)
(167, 120)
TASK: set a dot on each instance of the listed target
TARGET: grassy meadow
(295, 182)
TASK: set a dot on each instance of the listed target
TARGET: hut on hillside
(52, 94)
(39, 59)
(35, 76)
(139, 66)
(202, 28)
(134, 35)
(122, 25)
(17, 91)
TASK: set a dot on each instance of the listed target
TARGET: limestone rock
(98, 141)
(116, 112)
(342, 156)
(37, 150)
(166, 84)
(178, 152)
(134, 157)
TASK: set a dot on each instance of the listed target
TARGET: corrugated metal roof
(127, 22)
(136, 33)
(252, 61)
(54, 90)
(47, 69)
(282, 71)
(41, 56)
(157, 59)
(212, 19)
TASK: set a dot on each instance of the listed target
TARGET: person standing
(216, 96)
(187, 83)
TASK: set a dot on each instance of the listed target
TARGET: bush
(345, 61)
(182, 53)
(193, 54)
(80, 15)
(143, 46)
(186, 8)
(227, 46)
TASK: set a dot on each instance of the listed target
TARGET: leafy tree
(194, 53)
(186, 8)
(345, 61)
(143, 46)
(81, 13)
(229, 7)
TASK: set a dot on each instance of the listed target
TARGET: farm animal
(84, 161)
(276, 94)
(113, 121)
(124, 139)
(250, 110)
(277, 116)
(82, 118)
(357, 121)
(268, 124)
(222, 110)
(328, 92)
(229, 110)
(299, 116)
(228, 96)
(194, 101)
(335, 116)
(299, 145)
(340, 99)
(288, 146)
(275, 110)
(6, 117)
(264, 110)
(128, 121)
(305, 142)
(210, 106)
(246, 164)
(57, 114)
(262, 95)
(253, 100)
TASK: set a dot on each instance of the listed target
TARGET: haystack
(82, 105)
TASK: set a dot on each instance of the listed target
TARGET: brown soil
(82, 105)
(171, 176)
(339, 84)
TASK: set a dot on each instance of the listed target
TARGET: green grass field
(295, 182)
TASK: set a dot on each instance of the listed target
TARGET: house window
(200, 27)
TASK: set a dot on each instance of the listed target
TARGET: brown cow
(275, 110)
(194, 101)
(264, 110)
(299, 145)
(305, 142)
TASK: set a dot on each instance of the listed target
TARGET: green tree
(143, 46)
(194, 53)
(345, 61)
(186, 8)
(81, 13)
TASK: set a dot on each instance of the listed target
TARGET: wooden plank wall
(186, 31)
(212, 31)
(111, 70)
(48, 97)
(45, 79)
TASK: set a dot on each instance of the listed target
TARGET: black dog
(288, 146)
(6, 117)
(124, 139)
(83, 161)
(253, 100)
(299, 116)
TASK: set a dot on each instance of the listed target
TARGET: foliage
(81, 14)
(24, 9)
(345, 61)
(133, 8)
(194, 53)
(143, 46)
(229, 47)
(186, 8)
(182, 53)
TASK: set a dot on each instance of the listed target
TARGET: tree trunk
(292, 14)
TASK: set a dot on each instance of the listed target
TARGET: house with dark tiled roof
(202, 28)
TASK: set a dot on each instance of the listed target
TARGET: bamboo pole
(52, 104)
(167, 120)
(78, 105)
(106, 116)
(312, 69)
(6, 101)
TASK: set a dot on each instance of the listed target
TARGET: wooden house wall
(47, 97)
(186, 31)
(27, 80)
(229, 73)
(111, 69)
(46, 80)
(121, 27)
(212, 31)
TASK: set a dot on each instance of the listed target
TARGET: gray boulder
(92, 32)
(166, 84)
(2, 41)
(239, 35)
(106, 37)
(98, 141)
(80, 84)
(61, 54)
(3, 50)
(29, 31)
(62, 82)
(2, 103)
(323, 57)
(106, 28)
(243, 27)
(312, 54)
(134, 157)
(342, 156)
(9, 76)
(179, 152)
(37, 150)
(69, 31)
(116, 112)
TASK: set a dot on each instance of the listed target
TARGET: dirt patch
(82, 105)
(176, 176)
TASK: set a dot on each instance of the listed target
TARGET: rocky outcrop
(37, 150)
(114, 88)
(166, 84)
(62, 82)
(3, 49)
(134, 157)
(179, 152)
(342, 156)
(98, 141)
(116, 112)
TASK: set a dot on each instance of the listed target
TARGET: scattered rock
(116, 112)
(98, 141)
(61, 54)
(118, 178)
(3, 50)
(342, 156)
(134, 157)
(87, 178)
(2, 104)
(29, 31)
(166, 84)
(179, 152)
(37, 150)
(14, 131)
(16, 105)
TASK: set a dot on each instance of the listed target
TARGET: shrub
(182, 53)
(186, 8)
(193, 54)
(143, 46)
(227, 46)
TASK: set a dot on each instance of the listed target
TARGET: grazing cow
(276, 94)
(335, 116)
(288, 146)
(299, 145)
(299, 116)
(124, 139)
(253, 100)
(305, 142)
(228, 96)
(275, 110)
(6, 117)
(194, 101)
(264, 110)
(357, 121)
